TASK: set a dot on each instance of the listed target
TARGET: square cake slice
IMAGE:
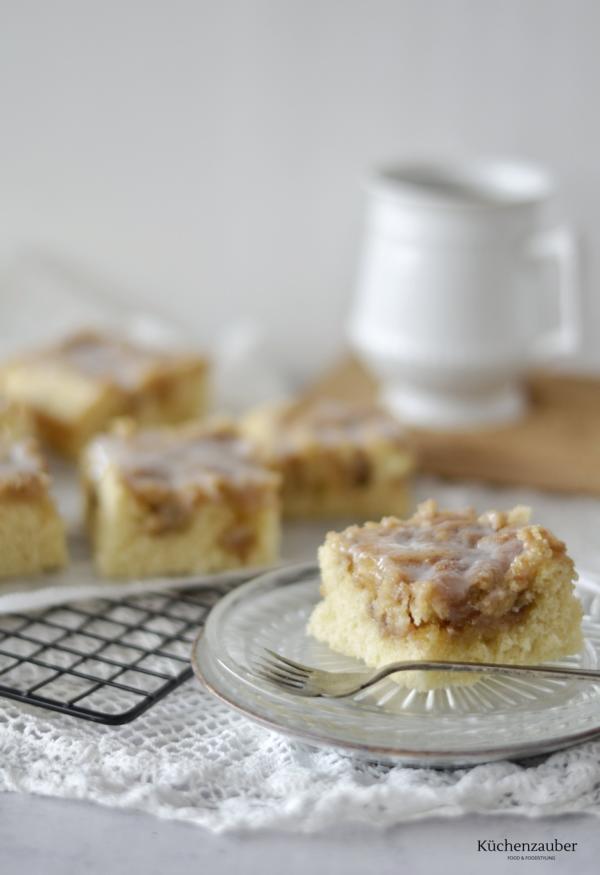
(447, 586)
(75, 388)
(15, 420)
(178, 501)
(336, 459)
(32, 537)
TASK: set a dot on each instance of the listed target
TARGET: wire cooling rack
(107, 659)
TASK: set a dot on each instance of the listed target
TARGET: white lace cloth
(191, 758)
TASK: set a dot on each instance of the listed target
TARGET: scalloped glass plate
(496, 718)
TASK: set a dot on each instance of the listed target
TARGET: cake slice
(448, 586)
(178, 501)
(15, 420)
(336, 459)
(32, 537)
(76, 387)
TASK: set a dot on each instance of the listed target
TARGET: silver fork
(303, 680)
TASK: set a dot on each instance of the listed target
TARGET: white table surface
(41, 836)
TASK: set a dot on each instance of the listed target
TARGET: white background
(208, 156)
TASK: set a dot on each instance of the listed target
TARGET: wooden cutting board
(555, 446)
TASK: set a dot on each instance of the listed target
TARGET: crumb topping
(170, 470)
(335, 423)
(447, 567)
(331, 445)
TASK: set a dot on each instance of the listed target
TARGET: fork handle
(483, 668)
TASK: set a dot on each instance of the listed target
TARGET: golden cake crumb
(32, 537)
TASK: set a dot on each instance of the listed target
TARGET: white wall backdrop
(209, 155)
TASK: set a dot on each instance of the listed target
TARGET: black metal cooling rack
(104, 659)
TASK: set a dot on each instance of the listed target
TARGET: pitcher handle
(558, 246)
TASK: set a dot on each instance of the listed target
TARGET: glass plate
(496, 718)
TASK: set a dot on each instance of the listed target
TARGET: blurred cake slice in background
(447, 586)
(336, 459)
(178, 501)
(15, 420)
(76, 387)
(32, 537)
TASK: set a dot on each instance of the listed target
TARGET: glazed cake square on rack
(335, 458)
(32, 537)
(75, 388)
(447, 586)
(178, 501)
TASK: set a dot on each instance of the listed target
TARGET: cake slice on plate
(447, 585)
(178, 501)
(335, 458)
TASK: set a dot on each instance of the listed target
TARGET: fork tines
(282, 671)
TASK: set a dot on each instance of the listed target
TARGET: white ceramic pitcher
(463, 284)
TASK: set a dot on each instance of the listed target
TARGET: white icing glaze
(453, 554)
(18, 458)
(102, 359)
(333, 422)
(176, 461)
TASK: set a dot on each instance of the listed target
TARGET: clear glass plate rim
(206, 655)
